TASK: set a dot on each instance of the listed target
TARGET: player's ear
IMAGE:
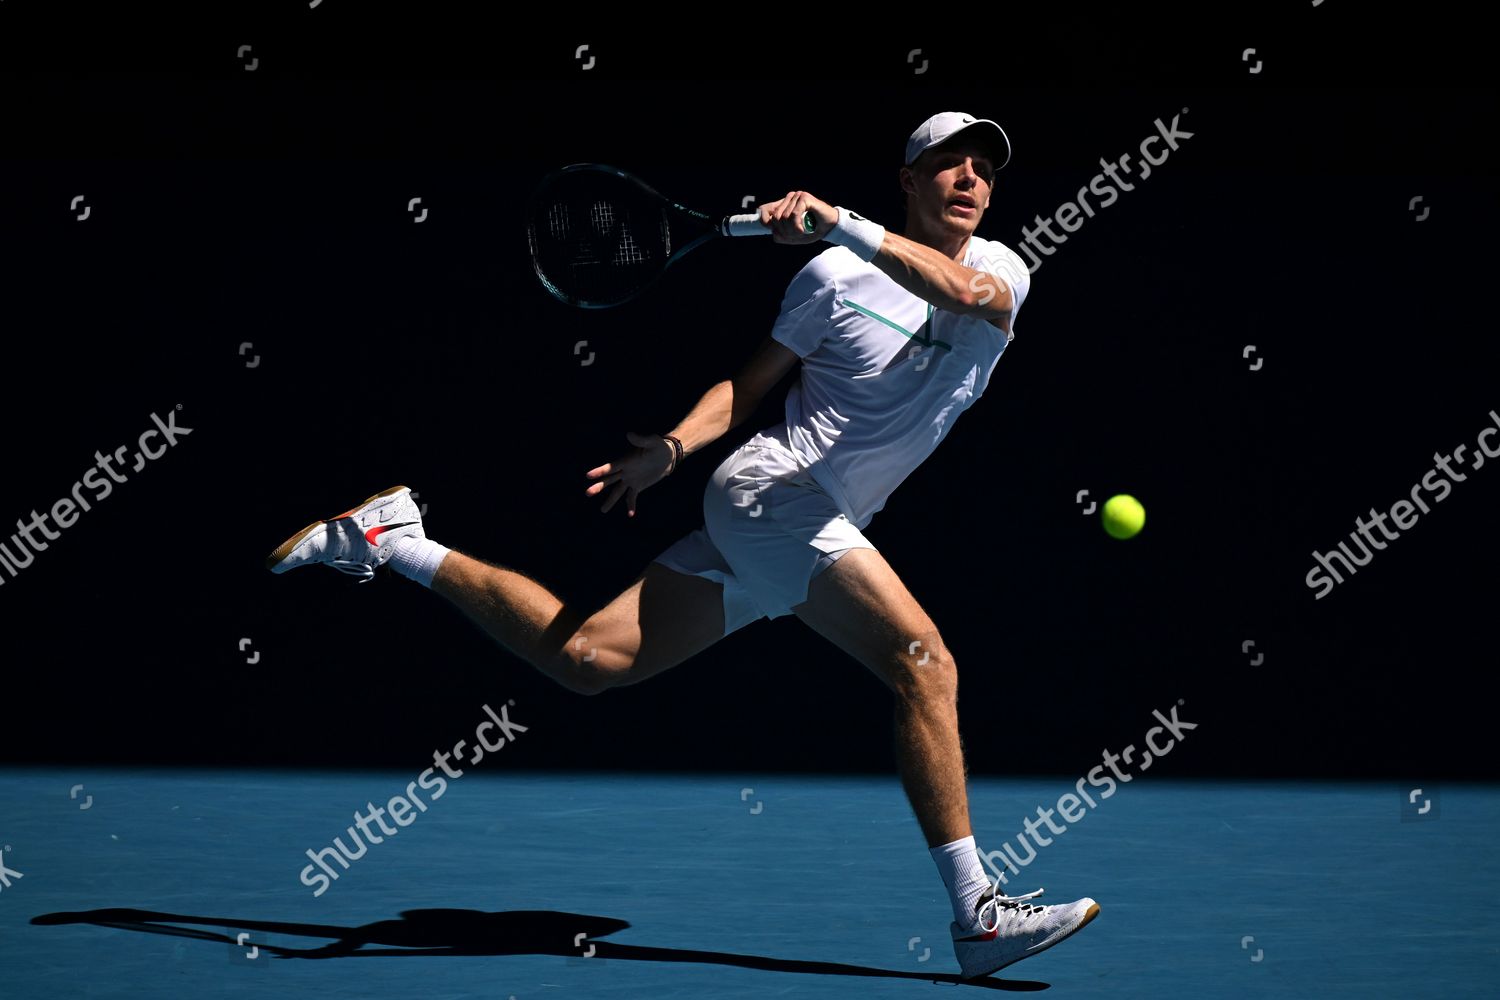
(908, 183)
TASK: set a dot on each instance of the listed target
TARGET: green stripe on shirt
(897, 326)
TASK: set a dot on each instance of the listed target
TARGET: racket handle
(749, 225)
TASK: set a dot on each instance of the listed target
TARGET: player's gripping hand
(645, 464)
(785, 218)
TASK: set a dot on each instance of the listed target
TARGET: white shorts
(767, 530)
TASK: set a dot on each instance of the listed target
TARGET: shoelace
(998, 900)
(359, 569)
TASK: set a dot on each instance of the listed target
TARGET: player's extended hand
(785, 218)
(643, 465)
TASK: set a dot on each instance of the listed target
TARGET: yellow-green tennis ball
(1124, 516)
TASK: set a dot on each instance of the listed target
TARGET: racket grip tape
(749, 225)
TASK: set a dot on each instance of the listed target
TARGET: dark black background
(269, 207)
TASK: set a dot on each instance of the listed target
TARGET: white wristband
(857, 233)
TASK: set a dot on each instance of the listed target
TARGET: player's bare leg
(860, 605)
(660, 620)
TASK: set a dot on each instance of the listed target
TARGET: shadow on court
(438, 932)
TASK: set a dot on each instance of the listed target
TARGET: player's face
(951, 185)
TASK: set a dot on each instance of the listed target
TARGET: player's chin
(960, 224)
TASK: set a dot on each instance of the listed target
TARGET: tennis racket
(599, 237)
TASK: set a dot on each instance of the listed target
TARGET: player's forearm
(939, 279)
(717, 412)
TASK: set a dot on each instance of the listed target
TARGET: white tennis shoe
(1007, 929)
(356, 542)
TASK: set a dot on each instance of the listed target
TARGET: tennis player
(896, 335)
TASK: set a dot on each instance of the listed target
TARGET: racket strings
(600, 258)
(593, 249)
(557, 222)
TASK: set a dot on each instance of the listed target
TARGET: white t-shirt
(884, 374)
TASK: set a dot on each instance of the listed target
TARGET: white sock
(963, 873)
(418, 559)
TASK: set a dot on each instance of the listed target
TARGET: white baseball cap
(942, 127)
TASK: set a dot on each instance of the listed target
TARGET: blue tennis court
(1237, 455)
(139, 884)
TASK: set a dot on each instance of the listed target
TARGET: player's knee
(590, 669)
(926, 675)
